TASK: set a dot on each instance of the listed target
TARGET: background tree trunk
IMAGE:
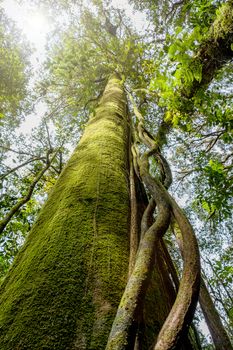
(219, 335)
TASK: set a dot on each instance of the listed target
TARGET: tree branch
(26, 198)
(20, 166)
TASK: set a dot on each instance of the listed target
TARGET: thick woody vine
(124, 328)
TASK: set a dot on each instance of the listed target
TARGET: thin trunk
(219, 335)
(64, 287)
(220, 338)
(215, 290)
(160, 294)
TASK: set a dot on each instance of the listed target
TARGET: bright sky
(33, 23)
(36, 24)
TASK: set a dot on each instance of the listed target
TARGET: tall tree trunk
(64, 287)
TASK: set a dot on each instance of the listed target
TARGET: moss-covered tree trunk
(64, 287)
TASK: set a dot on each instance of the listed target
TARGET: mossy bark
(64, 287)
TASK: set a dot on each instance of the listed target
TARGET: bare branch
(20, 166)
(26, 198)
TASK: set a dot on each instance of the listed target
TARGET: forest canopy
(173, 81)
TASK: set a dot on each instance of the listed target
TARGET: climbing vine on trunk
(123, 333)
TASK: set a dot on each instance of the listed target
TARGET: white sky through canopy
(32, 21)
(35, 23)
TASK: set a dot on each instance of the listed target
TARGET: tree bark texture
(64, 287)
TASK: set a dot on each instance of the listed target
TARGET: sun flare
(36, 27)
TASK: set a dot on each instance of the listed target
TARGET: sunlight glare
(36, 27)
(33, 22)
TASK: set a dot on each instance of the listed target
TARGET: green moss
(223, 25)
(64, 286)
